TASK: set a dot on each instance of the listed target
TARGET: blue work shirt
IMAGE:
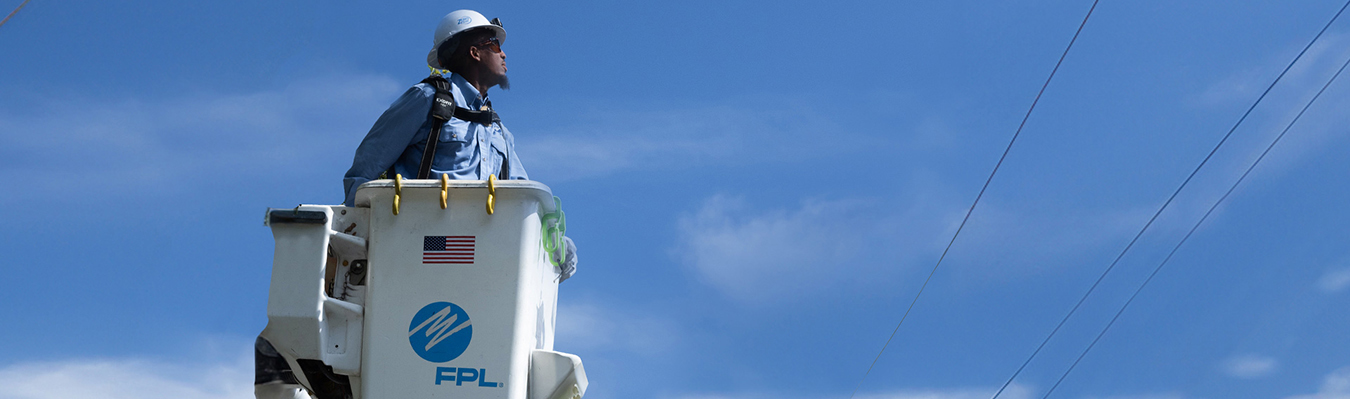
(466, 151)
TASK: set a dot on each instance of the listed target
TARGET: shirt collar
(468, 90)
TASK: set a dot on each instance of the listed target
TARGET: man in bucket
(444, 125)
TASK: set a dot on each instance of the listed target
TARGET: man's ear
(475, 54)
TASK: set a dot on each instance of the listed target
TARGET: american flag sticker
(447, 249)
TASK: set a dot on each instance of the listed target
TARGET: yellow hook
(445, 190)
(398, 190)
(492, 193)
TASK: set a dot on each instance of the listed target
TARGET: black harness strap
(443, 108)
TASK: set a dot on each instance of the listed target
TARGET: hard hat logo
(440, 332)
(463, 21)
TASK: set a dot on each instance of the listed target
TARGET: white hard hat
(456, 22)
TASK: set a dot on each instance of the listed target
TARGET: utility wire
(1169, 201)
(1193, 228)
(978, 196)
(11, 13)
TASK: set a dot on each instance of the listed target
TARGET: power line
(1168, 202)
(978, 196)
(1193, 228)
(11, 13)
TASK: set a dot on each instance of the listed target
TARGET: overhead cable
(1169, 201)
(11, 13)
(1193, 228)
(978, 196)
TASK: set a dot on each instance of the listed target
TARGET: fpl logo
(440, 332)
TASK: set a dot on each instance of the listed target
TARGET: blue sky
(757, 188)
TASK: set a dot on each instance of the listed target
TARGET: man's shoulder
(417, 96)
(423, 88)
(426, 89)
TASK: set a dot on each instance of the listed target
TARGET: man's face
(488, 53)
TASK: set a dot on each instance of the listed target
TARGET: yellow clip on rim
(492, 193)
(398, 190)
(445, 190)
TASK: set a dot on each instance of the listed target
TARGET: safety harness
(443, 108)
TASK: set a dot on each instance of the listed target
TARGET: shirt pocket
(456, 146)
(455, 132)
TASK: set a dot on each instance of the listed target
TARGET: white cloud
(1322, 124)
(1250, 366)
(1335, 280)
(1237, 86)
(132, 144)
(591, 327)
(1042, 237)
(617, 138)
(1311, 71)
(566, 157)
(1336, 385)
(759, 256)
(1144, 396)
(127, 379)
(725, 396)
(1014, 391)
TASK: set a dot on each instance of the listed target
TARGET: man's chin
(504, 83)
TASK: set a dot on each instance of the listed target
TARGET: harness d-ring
(492, 193)
(445, 189)
(398, 190)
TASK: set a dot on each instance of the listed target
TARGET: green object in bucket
(553, 227)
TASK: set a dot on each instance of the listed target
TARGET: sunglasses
(492, 43)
